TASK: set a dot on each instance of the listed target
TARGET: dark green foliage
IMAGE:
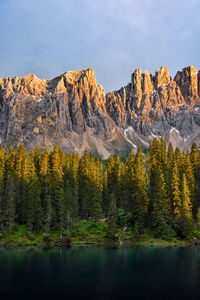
(124, 218)
(158, 192)
(112, 216)
(185, 219)
(160, 220)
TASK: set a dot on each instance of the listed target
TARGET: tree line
(158, 192)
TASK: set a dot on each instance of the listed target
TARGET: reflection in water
(99, 273)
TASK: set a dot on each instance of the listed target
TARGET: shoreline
(86, 234)
(13, 244)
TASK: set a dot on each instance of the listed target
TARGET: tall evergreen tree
(160, 215)
(139, 193)
(195, 162)
(33, 207)
(175, 188)
(21, 186)
(185, 220)
(10, 189)
(44, 176)
(57, 190)
(112, 216)
(2, 178)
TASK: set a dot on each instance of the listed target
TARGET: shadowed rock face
(72, 111)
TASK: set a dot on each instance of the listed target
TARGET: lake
(100, 273)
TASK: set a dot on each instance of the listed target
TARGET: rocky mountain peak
(147, 84)
(68, 110)
(72, 77)
(162, 77)
(154, 106)
(199, 83)
(71, 110)
(188, 83)
(29, 85)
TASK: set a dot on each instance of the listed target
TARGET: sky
(51, 37)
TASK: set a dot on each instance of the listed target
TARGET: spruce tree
(178, 160)
(175, 188)
(21, 186)
(33, 207)
(84, 185)
(2, 178)
(139, 193)
(44, 176)
(185, 220)
(10, 189)
(195, 162)
(57, 189)
(112, 216)
(189, 173)
(169, 169)
(160, 215)
(74, 167)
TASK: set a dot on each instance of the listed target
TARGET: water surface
(100, 273)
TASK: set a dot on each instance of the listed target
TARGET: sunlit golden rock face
(188, 83)
(71, 110)
(162, 77)
(68, 110)
(199, 83)
(156, 105)
(146, 97)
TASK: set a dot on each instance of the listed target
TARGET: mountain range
(72, 111)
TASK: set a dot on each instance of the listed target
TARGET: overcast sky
(50, 37)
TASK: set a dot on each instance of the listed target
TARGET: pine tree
(178, 160)
(2, 175)
(48, 214)
(175, 188)
(33, 208)
(112, 216)
(194, 157)
(163, 157)
(117, 177)
(195, 162)
(139, 193)
(156, 152)
(185, 220)
(90, 193)
(36, 159)
(57, 189)
(188, 170)
(44, 176)
(74, 167)
(160, 215)
(21, 187)
(10, 190)
(169, 168)
(84, 185)
(114, 174)
(96, 197)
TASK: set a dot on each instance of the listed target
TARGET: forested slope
(158, 193)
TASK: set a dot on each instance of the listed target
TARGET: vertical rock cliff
(72, 111)
(154, 106)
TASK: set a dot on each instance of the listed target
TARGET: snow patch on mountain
(174, 129)
(126, 137)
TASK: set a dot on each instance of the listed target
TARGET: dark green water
(98, 273)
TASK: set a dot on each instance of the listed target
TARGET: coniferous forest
(158, 192)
